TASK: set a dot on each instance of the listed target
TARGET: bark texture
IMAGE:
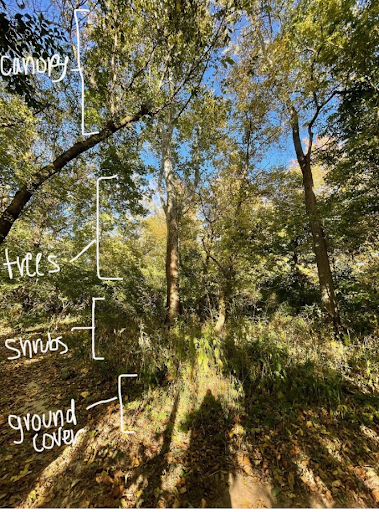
(221, 313)
(172, 214)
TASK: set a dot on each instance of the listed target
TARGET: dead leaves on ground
(317, 451)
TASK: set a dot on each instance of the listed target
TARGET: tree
(195, 35)
(282, 53)
(171, 210)
(352, 128)
(228, 207)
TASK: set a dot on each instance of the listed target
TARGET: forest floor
(187, 449)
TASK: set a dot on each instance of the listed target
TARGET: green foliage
(294, 362)
(23, 34)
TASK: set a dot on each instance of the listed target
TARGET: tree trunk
(328, 297)
(23, 196)
(295, 259)
(172, 213)
(221, 313)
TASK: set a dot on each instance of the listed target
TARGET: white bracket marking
(79, 68)
(92, 328)
(97, 239)
(102, 402)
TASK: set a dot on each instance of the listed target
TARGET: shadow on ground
(283, 446)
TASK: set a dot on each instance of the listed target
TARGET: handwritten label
(25, 265)
(36, 422)
(30, 348)
(32, 66)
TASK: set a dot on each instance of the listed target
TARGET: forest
(189, 197)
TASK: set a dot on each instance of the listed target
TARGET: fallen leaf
(375, 495)
(118, 491)
(32, 495)
(103, 477)
(169, 456)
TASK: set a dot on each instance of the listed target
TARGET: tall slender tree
(282, 57)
